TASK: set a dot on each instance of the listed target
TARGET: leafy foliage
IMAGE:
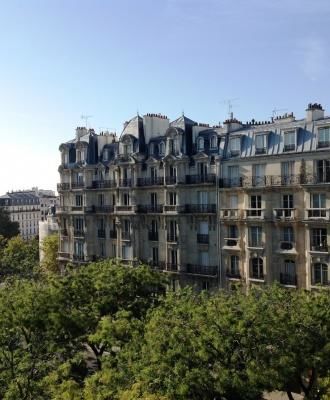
(8, 228)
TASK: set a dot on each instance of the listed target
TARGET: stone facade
(209, 205)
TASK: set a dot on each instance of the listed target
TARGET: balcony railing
(78, 257)
(63, 209)
(64, 254)
(113, 234)
(261, 181)
(256, 244)
(171, 180)
(258, 213)
(157, 181)
(63, 186)
(150, 209)
(200, 208)
(208, 270)
(126, 182)
(172, 237)
(126, 235)
(284, 213)
(77, 208)
(78, 233)
(320, 247)
(233, 274)
(103, 184)
(229, 213)
(77, 185)
(288, 279)
(124, 208)
(101, 233)
(202, 238)
(317, 213)
(285, 245)
(231, 242)
(153, 236)
(171, 266)
(323, 144)
(197, 179)
(104, 209)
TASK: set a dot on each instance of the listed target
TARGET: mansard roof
(182, 122)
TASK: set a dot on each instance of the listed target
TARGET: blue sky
(107, 58)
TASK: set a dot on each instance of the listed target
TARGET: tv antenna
(86, 118)
(277, 110)
(229, 104)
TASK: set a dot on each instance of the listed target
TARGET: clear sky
(110, 58)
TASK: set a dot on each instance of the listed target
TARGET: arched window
(257, 268)
(213, 142)
(200, 144)
(320, 274)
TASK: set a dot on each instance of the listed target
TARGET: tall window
(234, 266)
(233, 175)
(323, 170)
(79, 248)
(202, 169)
(153, 199)
(320, 274)
(153, 173)
(319, 239)
(100, 199)
(261, 144)
(287, 172)
(172, 198)
(155, 258)
(324, 137)
(288, 273)
(287, 201)
(213, 142)
(289, 141)
(202, 197)
(255, 236)
(257, 268)
(161, 148)
(258, 172)
(255, 206)
(79, 200)
(126, 199)
(287, 234)
(318, 201)
(232, 231)
(203, 257)
(200, 144)
(235, 146)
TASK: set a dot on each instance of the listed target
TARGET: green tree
(8, 228)
(49, 262)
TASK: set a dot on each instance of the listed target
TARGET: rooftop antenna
(86, 118)
(277, 110)
(229, 104)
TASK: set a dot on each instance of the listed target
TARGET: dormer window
(161, 148)
(324, 137)
(261, 144)
(200, 144)
(289, 141)
(213, 143)
(235, 146)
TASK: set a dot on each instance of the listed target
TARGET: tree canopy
(8, 228)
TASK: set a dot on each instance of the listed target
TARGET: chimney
(314, 112)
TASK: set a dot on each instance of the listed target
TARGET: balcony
(153, 236)
(289, 147)
(150, 209)
(205, 270)
(78, 233)
(171, 180)
(126, 235)
(78, 257)
(202, 238)
(200, 208)
(126, 182)
(101, 233)
(198, 179)
(261, 181)
(284, 214)
(323, 144)
(172, 238)
(320, 247)
(63, 186)
(317, 214)
(113, 234)
(104, 209)
(287, 246)
(229, 213)
(171, 267)
(63, 255)
(125, 208)
(231, 242)
(256, 244)
(62, 210)
(77, 185)
(77, 208)
(159, 181)
(233, 274)
(174, 208)
(254, 213)
(288, 279)
(103, 184)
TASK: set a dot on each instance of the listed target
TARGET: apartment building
(28, 207)
(208, 205)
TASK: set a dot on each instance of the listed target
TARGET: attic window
(289, 141)
(235, 146)
(261, 144)
(324, 137)
(200, 144)
(161, 148)
(105, 155)
(213, 142)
